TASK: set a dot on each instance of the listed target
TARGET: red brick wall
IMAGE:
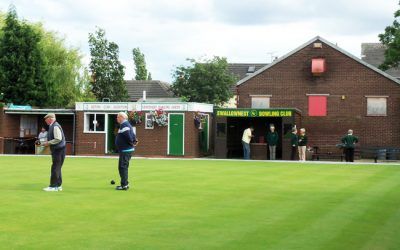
(87, 143)
(290, 80)
(9, 127)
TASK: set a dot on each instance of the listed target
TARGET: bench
(327, 152)
(363, 152)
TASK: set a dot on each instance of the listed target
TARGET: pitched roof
(153, 88)
(374, 54)
(241, 70)
(318, 38)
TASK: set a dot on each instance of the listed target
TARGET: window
(317, 105)
(94, 122)
(260, 102)
(149, 122)
(28, 126)
(251, 70)
(318, 66)
(377, 106)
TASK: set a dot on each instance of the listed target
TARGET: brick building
(330, 91)
(90, 128)
(96, 129)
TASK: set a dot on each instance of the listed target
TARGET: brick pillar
(1, 128)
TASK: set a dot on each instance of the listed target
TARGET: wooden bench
(327, 152)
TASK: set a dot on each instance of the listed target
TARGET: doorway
(176, 135)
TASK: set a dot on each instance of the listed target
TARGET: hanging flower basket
(199, 118)
(135, 118)
(160, 117)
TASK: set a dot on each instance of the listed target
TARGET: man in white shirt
(42, 135)
(246, 138)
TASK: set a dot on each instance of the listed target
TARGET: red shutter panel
(318, 66)
(317, 105)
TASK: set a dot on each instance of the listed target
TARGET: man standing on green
(272, 140)
(349, 142)
(303, 140)
(294, 142)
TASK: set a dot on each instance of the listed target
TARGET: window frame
(261, 96)
(147, 117)
(317, 95)
(377, 97)
(85, 122)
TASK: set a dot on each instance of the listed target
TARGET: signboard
(254, 112)
(105, 106)
(164, 106)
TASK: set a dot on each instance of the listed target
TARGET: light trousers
(302, 153)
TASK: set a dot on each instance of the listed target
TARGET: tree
(149, 77)
(106, 69)
(21, 63)
(140, 65)
(66, 79)
(204, 81)
(391, 39)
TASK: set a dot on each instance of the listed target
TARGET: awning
(39, 111)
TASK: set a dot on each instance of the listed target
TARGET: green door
(176, 137)
(204, 136)
(111, 133)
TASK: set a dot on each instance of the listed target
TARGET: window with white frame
(260, 102)
(376, 106)
(149, 122)
(94, 122)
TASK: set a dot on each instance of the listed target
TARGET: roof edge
(377, 70)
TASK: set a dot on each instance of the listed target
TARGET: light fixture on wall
(343, 97)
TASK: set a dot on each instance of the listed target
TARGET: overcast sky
(248, 31)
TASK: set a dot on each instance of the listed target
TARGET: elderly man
(125, 142)
(272, 139)
(294, 141)
(56, 141)
(246, 138)
(349, 142)
(302, 145)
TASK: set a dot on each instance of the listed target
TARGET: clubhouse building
(317, 86)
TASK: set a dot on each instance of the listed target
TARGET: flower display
(199, 118)
(160, 117)
(135, 117)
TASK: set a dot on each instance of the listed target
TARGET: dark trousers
(349, 154)
(246, 150)
(58, 156)
(293, 153)
(123, 165)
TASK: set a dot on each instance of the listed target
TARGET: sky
(169, 32)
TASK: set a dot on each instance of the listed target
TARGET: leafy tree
(204, 81)
(391, 39)
(21, 63)
(140, 65)
(65, 79)
(106, 69)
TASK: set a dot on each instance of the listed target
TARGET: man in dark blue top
(125, 142)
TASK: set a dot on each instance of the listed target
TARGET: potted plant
(160, 117)
(135, 117)
(199, 118)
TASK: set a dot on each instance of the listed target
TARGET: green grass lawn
(188, 204)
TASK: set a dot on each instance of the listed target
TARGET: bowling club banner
(254, 112)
